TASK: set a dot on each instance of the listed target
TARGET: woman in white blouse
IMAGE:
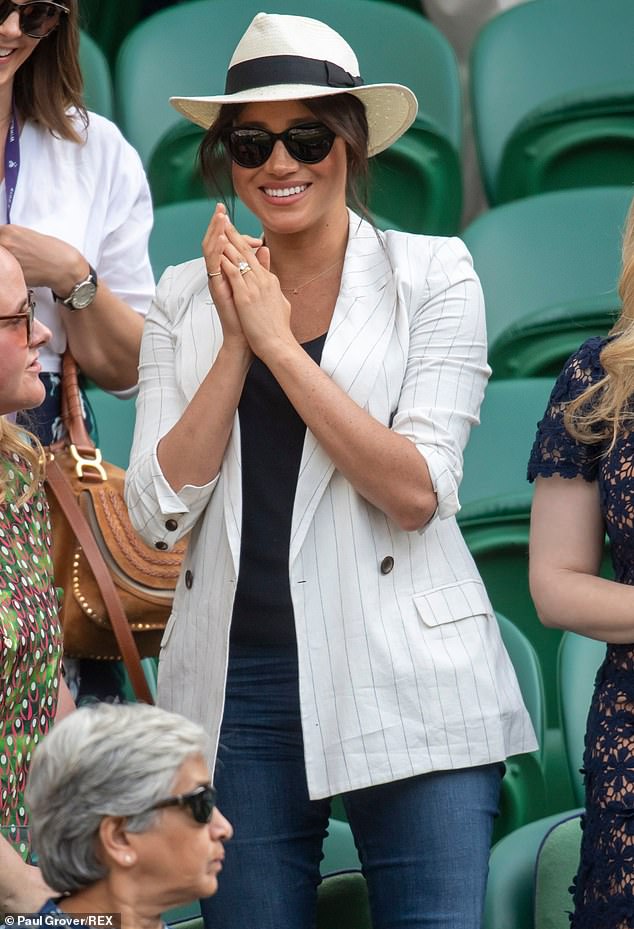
(75, 204)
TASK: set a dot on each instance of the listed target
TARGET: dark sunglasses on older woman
(250, 146)
(200, 802)
(25, 316)
(37, 19)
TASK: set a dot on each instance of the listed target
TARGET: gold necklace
(296, 290)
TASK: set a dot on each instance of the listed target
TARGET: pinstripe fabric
(400, 672)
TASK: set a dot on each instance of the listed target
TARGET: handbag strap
(60, 486)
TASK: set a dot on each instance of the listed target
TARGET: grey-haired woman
(123, 813)
(303, 408)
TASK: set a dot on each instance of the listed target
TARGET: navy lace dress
(604, 886)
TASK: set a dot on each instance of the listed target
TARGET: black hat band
(287, 69)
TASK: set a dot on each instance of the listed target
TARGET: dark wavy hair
(49, 83)
(343, 113)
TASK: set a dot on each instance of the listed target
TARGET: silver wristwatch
(82, 294)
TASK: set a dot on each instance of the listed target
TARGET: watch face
(83, 295)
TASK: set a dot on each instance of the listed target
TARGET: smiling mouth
(5, 52)
(281, 192)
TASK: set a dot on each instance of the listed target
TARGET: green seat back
(340, 852)
(529, 675)
(523, 793)
(577, 145)
(115, 419)
(98, 93)
(579, 659)
(179, 228)
(109, 21)
(497, 453)
(185, 50)
(342, 902)
(511, 885)
(531, 65)
(549, 267)
(557, 862)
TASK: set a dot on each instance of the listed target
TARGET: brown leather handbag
(118, 591)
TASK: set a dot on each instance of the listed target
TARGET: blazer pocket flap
(453, 602)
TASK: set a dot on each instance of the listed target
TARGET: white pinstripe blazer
(402, 669)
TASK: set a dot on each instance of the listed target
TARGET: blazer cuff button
(162, 546)
(171, 525)
(387, 564)
(189, 579)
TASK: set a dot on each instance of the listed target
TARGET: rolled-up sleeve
(446, 371)
(157, 512)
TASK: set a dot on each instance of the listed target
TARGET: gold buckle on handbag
(88, 463)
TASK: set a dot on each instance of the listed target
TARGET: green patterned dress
(30, 644)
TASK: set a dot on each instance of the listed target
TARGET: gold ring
(214, 273)
(243, 267)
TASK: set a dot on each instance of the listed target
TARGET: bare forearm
(105, 339)
(192, 451)
(594, 606)
(384, 467)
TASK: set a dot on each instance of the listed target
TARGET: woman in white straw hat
(304, 403)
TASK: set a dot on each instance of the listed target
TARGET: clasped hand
(250, 304)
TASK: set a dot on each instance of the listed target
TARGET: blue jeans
(423, 841)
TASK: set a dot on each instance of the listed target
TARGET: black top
(271, 439)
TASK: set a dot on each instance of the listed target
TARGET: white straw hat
(294, 58)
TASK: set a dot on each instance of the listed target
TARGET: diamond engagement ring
(243, 267)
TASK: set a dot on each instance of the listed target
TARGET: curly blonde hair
(604, 410)
(15, 440)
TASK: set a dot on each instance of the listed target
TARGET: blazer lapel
(358, 338)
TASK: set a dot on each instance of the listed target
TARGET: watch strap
(68, 301)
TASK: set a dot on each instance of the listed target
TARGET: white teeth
(284, 191)
(5, 52)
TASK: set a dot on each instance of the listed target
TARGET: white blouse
(94, 196)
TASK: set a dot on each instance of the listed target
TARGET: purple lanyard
(11, 160)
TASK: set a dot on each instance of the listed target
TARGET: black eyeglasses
(38, 19)
(200, 802)
(26, 315)
(250, 146)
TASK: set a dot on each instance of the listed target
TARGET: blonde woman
(30, 635)
(583, 463)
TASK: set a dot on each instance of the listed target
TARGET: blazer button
(387, 564)
(162, 546)
(189, 579)
(171, 525)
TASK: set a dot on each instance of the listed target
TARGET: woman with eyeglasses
(30, 635)
(124, 817)
(304, 403)
(75, 210)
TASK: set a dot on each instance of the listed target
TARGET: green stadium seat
(530, 872)
(179, 229)
(578, 661)
(109, 21)
(342, 902)
(417, 182)
(549, 267)
(523, 793)
(98, 92)
(114, 418)
(552, 89)
(495, 521)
